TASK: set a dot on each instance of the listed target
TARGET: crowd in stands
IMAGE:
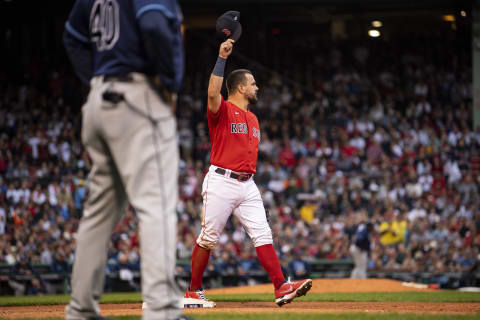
(354, 132)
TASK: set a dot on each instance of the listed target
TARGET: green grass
(439, 296)
(306, 316)
(126, 297)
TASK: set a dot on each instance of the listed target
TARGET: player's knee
(208, 244)
(262, 239)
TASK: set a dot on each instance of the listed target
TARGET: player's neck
(239, 101)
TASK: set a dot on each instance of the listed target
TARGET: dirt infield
(261, 307)
(319, 286)
(331, 286)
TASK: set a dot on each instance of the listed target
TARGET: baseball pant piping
(161, 181)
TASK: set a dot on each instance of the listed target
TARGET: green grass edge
(308, 316)
(135, 297)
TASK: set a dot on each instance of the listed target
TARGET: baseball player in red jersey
(229, 187)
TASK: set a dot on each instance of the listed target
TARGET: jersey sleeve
(214, 117)
(169, 8)
(78, 22)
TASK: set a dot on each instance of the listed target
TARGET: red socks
(200, 258)
(269, 260)
(266, 255)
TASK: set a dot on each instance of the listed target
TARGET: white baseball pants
(223, 195)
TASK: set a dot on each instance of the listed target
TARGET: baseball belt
(237, 176)
(169, 97)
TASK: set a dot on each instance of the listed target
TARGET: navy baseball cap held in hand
(228, 26)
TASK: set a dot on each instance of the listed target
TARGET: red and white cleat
(291, 290)
(197, 299)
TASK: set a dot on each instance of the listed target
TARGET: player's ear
(241, 88)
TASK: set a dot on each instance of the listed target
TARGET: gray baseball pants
(134, 152)
(360, 259)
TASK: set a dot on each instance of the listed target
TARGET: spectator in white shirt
(34, 141)
(38, 195)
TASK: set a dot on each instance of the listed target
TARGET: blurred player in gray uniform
(131, 54)
(360, 248)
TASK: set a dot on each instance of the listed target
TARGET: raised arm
(216, 78)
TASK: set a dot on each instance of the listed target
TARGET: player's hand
(226, 48)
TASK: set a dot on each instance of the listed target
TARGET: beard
(253, 99)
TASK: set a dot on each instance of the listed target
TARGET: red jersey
(234, 136)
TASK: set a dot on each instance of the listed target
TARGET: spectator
(21, 276)
(59, 264)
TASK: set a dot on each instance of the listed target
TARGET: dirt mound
(330, 286)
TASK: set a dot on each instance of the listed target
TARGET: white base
(197, 303)
(469, 289)
(190, 303)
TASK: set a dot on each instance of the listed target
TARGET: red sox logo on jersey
(239, 128)
(256, 134)
(243, 128)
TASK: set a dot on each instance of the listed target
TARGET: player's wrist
(219, 68)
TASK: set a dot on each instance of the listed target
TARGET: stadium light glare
(449, 18)
(377, 23)
(374, 33)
